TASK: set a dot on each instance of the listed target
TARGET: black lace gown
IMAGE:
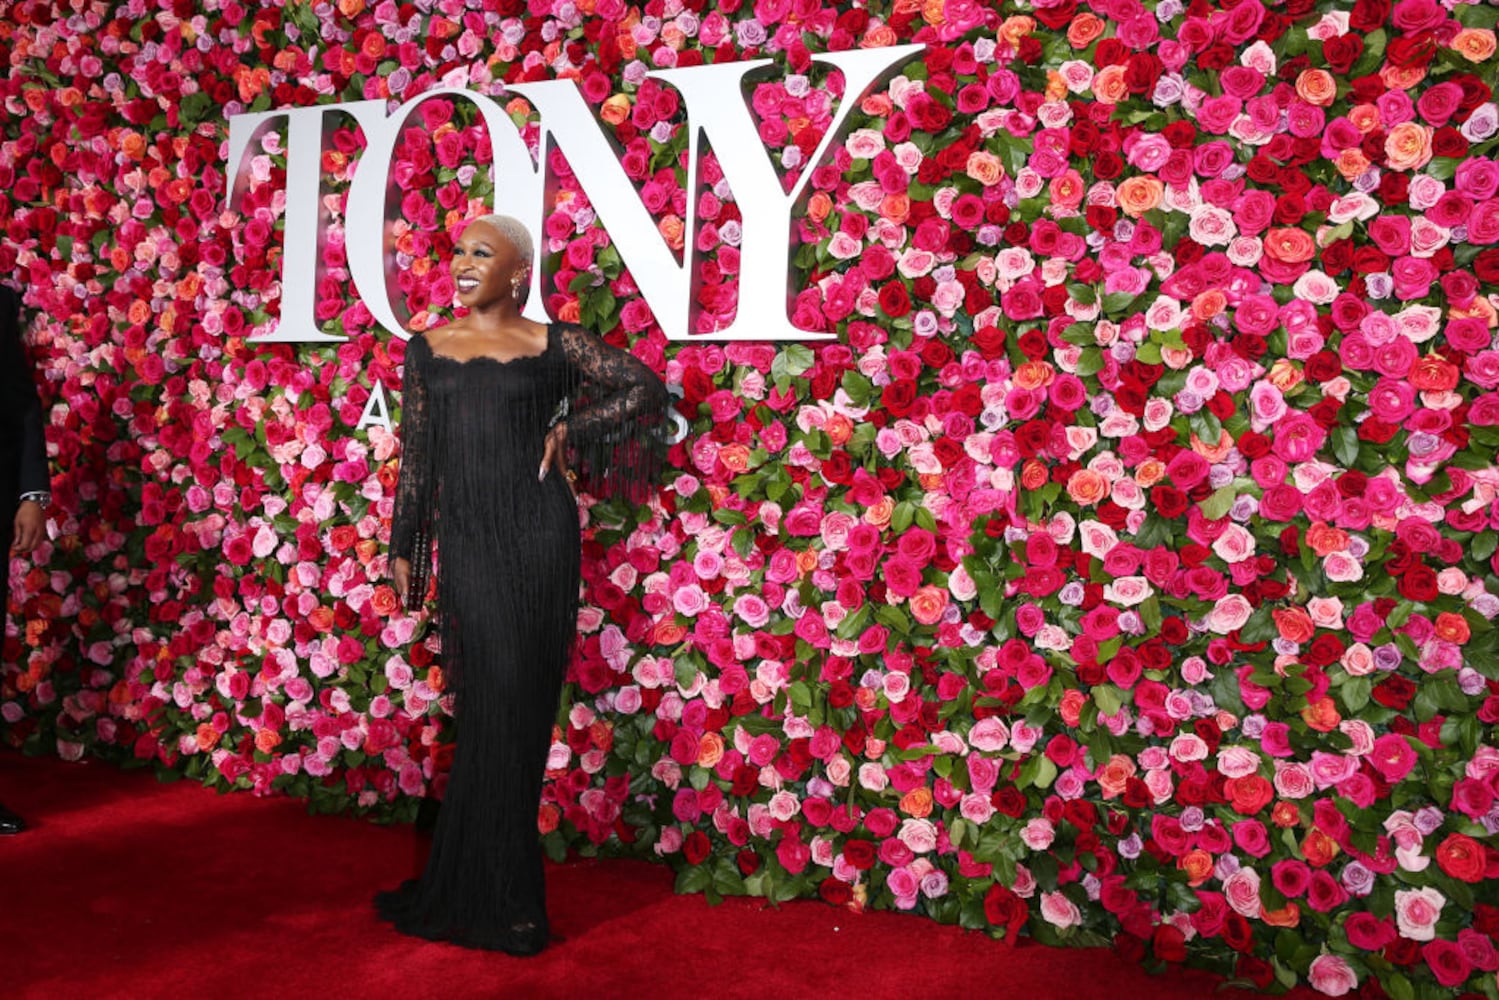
(507, 547)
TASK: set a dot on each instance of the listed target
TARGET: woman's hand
(400, 575)
(554, 454)
(30, 526)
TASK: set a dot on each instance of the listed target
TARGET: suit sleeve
(19, 390)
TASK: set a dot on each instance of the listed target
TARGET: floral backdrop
(1123, 572)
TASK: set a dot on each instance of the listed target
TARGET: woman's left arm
(617, 427)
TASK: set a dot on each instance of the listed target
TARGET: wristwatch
(41, 497)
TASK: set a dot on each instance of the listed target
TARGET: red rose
(835, 892)
(1169, 944)
(1462, 857)
(1249, 794)
(859, 854)
(1002, 908)
(696, 847)
(1394, 692)
(1324, 366)
(895, 301)
(990, 341)
(1486, 266)
(1168, 501)
(899, 396)
(1009, 800)
(1341, 52)
(936, 353)
(1419, 583)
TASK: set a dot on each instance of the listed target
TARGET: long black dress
(508, 549)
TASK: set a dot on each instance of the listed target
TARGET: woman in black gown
(484, 475)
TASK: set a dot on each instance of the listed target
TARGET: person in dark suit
(24, 482)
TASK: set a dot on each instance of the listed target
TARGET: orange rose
(984, 168)
(1084, 30)
(383, 601)
(321, 619)
(207, 737)
(1408, 146)
(879, 514)
(879, 36)
(1138, 195)
(1322, 715)
(1290, 246)
(1033, 375)
(710, 750)
(601, 735)
(895, 207)
(1287, 916)
(1033, 474)
(1086, 487)
(839, 429)
(1401, 77)
(1325, 539)
(1351, 164)
(1015, 28)
(1317, 86)
(1115, 775)
(672, 230)
(1318, 848)
(1071, 708)
(1285, 814)
(547, 818)
(1294, 624)
(1198, 864)
(917, 802)
(1208, 304)
(435, 679)
(735, 457)
(1473, 44)
(667, 633)
(1150, 472)
(1284, 375)
(616, 109)
(1365, 117)
(1452, 628)
(1109, 85)
(818, 206)
(267, 740)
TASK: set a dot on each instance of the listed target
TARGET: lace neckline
(551, 327)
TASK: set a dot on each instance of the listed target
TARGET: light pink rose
(1242, 890)
(1416, 912)
(1231, 612)
(1059, 911)
(1331, 975)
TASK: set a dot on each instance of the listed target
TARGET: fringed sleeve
(411, 523)
(617, 421)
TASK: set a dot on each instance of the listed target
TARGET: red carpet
(125, 887)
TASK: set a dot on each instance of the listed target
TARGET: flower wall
(1124, 570)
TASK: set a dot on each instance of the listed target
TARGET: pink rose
(1331, 975)
(1416, 912)
(1059, 911)
(1230, 613)
(1242, 890)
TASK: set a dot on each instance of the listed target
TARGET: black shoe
(10, 823)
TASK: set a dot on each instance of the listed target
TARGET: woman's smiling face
(484, 263)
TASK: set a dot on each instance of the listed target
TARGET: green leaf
(1217, 505)
(1109, 698)
(1345, 446)
(1090, 362)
